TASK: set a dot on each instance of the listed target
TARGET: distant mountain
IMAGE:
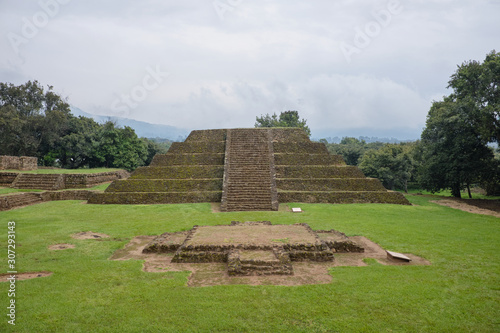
(393, 135)
(142, 129)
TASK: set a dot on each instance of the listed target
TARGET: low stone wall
(6, 178)
(90, 180)
(18, 163)
(318, 171)
(155, 197)
(300, 147)
(179, 172)
(66, 195)
(344, 197)
(207, 135)
(308, 159)
(288, 135)
(199, 147)
(187, 159)
(330, 184)
(29, 198)
(165, 185)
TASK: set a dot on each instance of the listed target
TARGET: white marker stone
(395, 255)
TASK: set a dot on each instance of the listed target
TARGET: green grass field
(459, 292)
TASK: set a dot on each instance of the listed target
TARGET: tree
(479, 85)
(119, 147)
(32, 119)
(453, 150)
(392, 164)
(286, 119)
(39, 123)
(76, 149)
(453, 153)
(352, 149)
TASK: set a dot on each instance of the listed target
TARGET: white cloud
(263, 57)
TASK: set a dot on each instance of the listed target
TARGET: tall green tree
(453, 152)
(478, 85)
(76, 149)
(392, 164)
(285, 119)
(119, 147)
(33, 119)
(352, 149)
(38, 122)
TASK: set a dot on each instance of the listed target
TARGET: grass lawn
(459, 292)
(65, 171)
(447, 193)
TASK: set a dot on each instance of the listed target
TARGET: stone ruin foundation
(253, 248)
(256, 253)
(18, 163)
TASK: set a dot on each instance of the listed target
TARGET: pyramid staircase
(248, 176)
(245, 170)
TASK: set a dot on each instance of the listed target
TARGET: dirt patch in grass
(25, 276)
(475, 206)
(210, 274)
(89, 235)
(215, 207)
(63, 246)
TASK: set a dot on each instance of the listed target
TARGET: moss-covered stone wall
(6, 178)
(308, 159)
(92, 179)
(300, 147)
(18, 163)
(386, 197)
(155, 197)
(207, 135)
(165, 185)
(288, 135)
(318, 171)
(199, 147)
(179, 172)
(330, 184)
(187, 159)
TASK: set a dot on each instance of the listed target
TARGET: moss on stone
(307, 159)
(330, 184)
(318, 171)
(187, 159)
(155, 197)
(300, 147)
(179, 172)
(165, 185)
(386, 197)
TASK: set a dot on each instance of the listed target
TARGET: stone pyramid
(247, 169)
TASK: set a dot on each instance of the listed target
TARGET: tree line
(455, 150)
(37, 122)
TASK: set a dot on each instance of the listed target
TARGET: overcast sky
(349, 67)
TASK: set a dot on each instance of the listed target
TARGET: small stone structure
(64, 181)
(248, 169)
(253, 248)
(18, 163)
(29, 198)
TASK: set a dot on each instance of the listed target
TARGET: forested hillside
(35, 121)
